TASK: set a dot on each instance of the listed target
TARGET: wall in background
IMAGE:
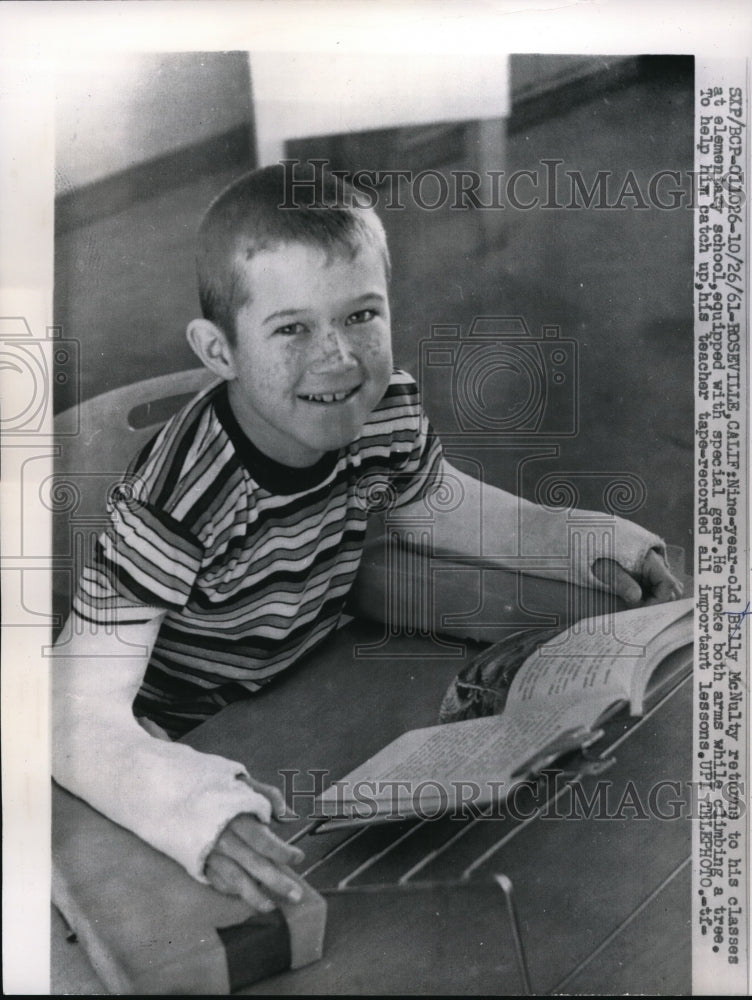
(128, 108)
(370, 90)
(143, 146)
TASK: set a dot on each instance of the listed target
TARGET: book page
(567, 684)
(678, 635)
(476, 757)
(595, 659)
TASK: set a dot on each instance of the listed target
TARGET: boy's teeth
(328, 397)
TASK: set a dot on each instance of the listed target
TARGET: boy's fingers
(662, 581)
(227, 876)
(262, 839)
(617, 580)
(265, 872)
(664, 591)
(276, 798)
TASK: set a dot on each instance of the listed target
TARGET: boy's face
(313, 353)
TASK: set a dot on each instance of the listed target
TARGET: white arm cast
(472, 519)
(173, 797)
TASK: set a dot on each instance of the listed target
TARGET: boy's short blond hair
(255, 213)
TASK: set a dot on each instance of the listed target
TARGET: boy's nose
(333, 350)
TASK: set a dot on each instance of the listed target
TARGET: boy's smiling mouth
(329, 397)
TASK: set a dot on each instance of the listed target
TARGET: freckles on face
(282, 361)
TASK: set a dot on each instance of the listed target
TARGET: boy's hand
(655, 585)
(246, 860)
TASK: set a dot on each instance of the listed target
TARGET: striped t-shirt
(251, 560)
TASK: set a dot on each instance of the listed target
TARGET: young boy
(237, 534)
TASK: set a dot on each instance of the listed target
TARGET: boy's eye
(362, 316)
(290, 329)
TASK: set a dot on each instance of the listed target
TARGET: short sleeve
(145, 558)
(418, 457)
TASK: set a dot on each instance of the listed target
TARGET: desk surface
(602, 905)
(588, 891)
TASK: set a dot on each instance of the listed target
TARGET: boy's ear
(210, 345)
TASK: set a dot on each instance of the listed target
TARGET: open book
(556, 698)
